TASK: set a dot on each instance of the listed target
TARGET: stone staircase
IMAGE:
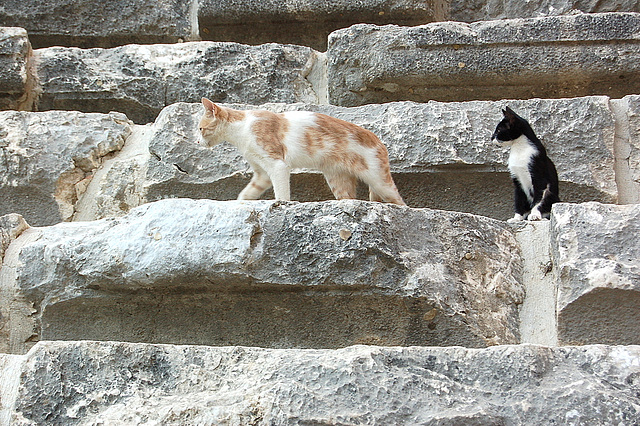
(134, 290)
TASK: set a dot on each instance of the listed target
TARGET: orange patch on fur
(340, 134)
(230, 115)
(270, 130)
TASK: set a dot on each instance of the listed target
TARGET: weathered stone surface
(553, 57)
(140, 80)
(119, 383)
(94, 23)
(261, 273)
(597, 261)
(16, 79)
(630, 154)
(305, 22)
(11, 226)
(48, 157)
(440, 154)
(484, 10)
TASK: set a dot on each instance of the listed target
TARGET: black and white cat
(534, 175)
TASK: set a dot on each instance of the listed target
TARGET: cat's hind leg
(388, 194)
(259, 183)
(342, 185)
(542, 209)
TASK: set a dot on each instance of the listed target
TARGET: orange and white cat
(274, 144)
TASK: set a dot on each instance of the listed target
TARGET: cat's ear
(209, 107)
(509, 114)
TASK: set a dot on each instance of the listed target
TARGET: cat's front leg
(516, 218)
(280, 177)
(535, 214)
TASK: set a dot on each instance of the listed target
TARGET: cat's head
(210, 124)
(510, 128)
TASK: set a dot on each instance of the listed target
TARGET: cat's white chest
(520, 157)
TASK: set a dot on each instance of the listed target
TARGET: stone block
(263, 273)
(48, 158)
(140, 80)
(441, 156)
(629, 153)
(306, 23)
(94, 23)
(485, 10)
(597, 263)
(115, 383)
(11, 226)
(16, 79)
(551, 57)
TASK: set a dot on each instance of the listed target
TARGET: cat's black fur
(534, 175)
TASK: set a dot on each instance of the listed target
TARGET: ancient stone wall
(134, 289)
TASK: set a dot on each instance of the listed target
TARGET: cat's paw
(534, 215)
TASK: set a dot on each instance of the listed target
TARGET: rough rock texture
(554, 57)
(140, 80)
(305, 22)
(630, 154)
(16, 79)
(48, 158)
(597, 262)
(484, 10)
(119, 383)
(95, 23)
(440, 154)
(11, 226)
(260, 273)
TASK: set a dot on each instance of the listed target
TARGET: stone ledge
(104, 383)
(141, 80)
(261, 273)
(485, 10)
(597, 266)
(95, 23)
(17, 83)
(552, 57)
(306, 23)
(50, 156)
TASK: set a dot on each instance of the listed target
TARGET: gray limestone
(305, 22)
(49, 157)
(11, 226)
(120, 383)
(95, 23)
(597, 266)
(306, 275)
(140, 80)
(551, 57)
(628, 148)
(16, 79)
(485, 10)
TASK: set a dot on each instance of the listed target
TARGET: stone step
(123, 383)
(76, 23)
(550, 57)
(290, 275)
(140, 80)
(73, 166)
(553, 57)
(16, 61)
(597, 265)
(323, 275)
